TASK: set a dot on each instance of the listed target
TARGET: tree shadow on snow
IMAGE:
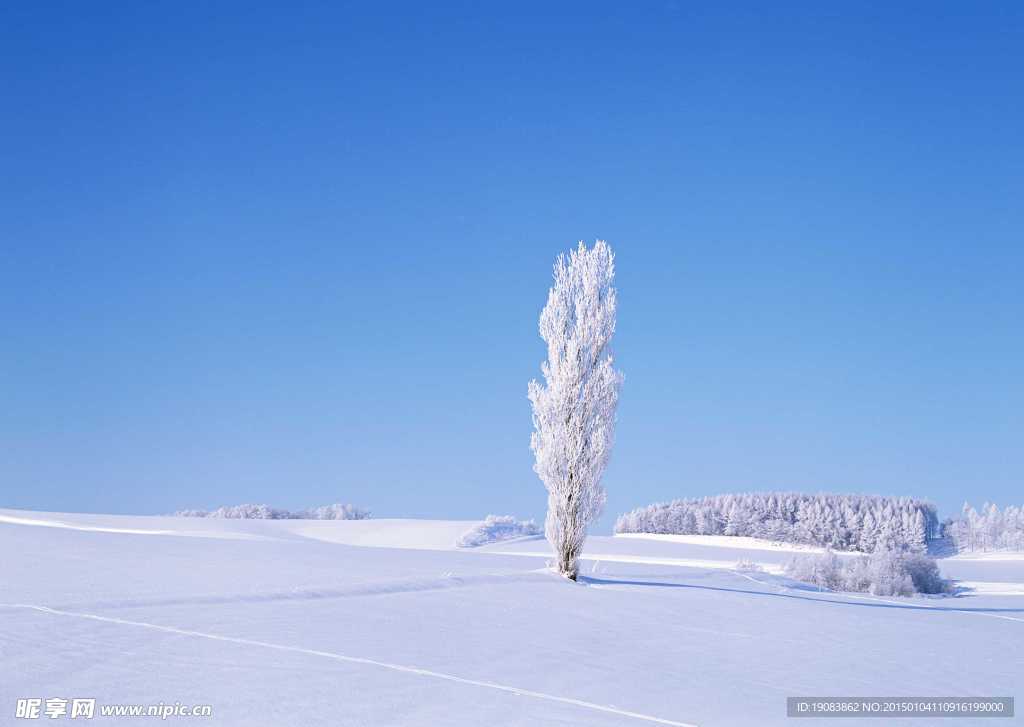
(799, 597)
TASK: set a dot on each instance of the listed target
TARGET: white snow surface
(727, 541)
(993, 588)
(993, 556)
(385, 622)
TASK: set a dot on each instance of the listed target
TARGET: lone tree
(574, 409)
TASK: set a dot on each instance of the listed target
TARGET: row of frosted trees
(841, 522)
(989, 529)
(265, 512)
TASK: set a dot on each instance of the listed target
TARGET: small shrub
(496, 528)
(924, 572)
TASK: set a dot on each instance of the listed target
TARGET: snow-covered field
(386, 622)
(727, 541)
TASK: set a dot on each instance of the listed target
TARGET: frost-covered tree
(990, 529)
(883, 573)
(574, 409)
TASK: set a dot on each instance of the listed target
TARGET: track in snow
(357, 660)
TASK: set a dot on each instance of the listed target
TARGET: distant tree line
(989, 529)
(864, 523)
(265, 512)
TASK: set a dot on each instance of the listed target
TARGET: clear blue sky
(296, 255)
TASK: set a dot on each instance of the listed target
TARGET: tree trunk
(567, 564)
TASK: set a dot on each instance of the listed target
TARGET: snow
(41, 520)
(385, 533)
(600, 557)
(727, 541)
(385, 622)
(993, 588)
(989, 557)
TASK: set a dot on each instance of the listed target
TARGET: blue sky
(296, 255)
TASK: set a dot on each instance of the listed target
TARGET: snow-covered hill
(386, 622)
